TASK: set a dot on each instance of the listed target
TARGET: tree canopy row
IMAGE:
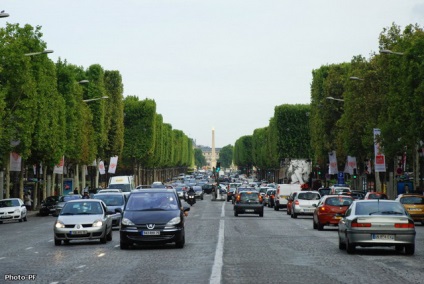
(385, 91)
(45, 115)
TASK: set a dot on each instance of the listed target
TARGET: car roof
(110, 193)
(84, 200)
(144, 190)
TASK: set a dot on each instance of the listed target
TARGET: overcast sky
(222, 64)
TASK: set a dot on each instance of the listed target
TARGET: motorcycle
(191, 199)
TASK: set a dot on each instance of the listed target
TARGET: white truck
(282, 193)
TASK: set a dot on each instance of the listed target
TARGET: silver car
(371, 223)
(62, 200)
(303, 203)
(83, 219)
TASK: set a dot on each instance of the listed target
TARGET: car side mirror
(314, 205)
(23, 205)
(118, 210)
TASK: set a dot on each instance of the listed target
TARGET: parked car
(372, 223)
(375, 195)
(83, 219)
(330, 209)
(303, 203)
(48, 205)
(248, 202)
(290, 201)
(62, 200)
(115, 201)
(12, 209)
(414, 204)
(153, 216)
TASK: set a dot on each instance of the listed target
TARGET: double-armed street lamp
(334, 99)
(38, 53)
(3, 14)
(387, 51)
(96, 99)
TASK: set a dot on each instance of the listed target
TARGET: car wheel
(57, 242)
(180, 244)
(124, 245)
(103, 239)
(25, 218)
(314, 224)
(20, 220)
(293, 215)
(342, 246)
(261, 214)
(350, 248)
(109, 236)
(276, 208)
(320, 226)
(410, 249)
(287, 211)
(235, 213)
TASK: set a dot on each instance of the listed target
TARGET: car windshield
(418, 200)
(70, 197)
(110, 200)
(197, 188)
(379, 208)
(338, 201)
(82, 208)
(152, 201)
(308, 196)
(249, 196)
(9, 203)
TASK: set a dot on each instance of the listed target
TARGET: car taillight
(409, 225)
(296, 202)
(355, 224)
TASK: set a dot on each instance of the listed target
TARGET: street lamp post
(39, 52)
(334, 99)
(95, 99)
(3, 14)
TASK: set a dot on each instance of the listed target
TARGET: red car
(290, 202)
(330, 209)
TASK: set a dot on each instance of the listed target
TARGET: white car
(12, 209)
(303, 203)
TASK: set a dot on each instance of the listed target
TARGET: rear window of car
(412, 200)
(308, 196)
(338, 201)
(249, 196)
(110, 200)
(377, 196)
(379, 208)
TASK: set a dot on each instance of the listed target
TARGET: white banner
(112, 165)
(350, 165)
(102, 168)
(332, 167)
(15, 162)
(379, 159)
(58, 169)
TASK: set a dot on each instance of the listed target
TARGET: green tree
(199, 159)
(226, 156)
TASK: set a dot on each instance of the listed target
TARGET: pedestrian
(76, 190)
(28, 200)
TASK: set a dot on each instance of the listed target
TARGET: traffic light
(218, 167)
(354, 173)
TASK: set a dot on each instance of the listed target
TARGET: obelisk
(213, 157)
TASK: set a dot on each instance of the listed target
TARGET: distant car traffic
(290, 201)
(83, 219)
(248, 202)
(12, 209)
(48, 205)
(414, 204)
(198, 191)
(62, 200)
(376, 223)
(115, 201)
(375, 195)
(269, 197)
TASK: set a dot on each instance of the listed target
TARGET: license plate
(337, 217)
(249, 210)
(383, 237)
(150, 233)
(415, 209)
(77, 232)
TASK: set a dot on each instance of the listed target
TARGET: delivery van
(282, 193)
(124, 183)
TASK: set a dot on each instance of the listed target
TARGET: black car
(153, 216)
(48, 205)
(248, 202)
(208, 188)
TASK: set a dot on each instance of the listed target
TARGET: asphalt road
(220, 248)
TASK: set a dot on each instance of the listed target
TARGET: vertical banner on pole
(112, 165)
(15, 162)
(58, 169)
(379, 158)
(332, 167)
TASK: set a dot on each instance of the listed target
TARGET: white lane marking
(219, 252)
(29, 248)
(2, 257)
(50, 242)
(53, 282)
(102, 254)
(81, 266)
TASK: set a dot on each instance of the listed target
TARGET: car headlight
(173, 222)
(59, 225)
(127, 222)
(98, 223)
(17, 211)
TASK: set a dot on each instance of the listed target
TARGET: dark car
(208, 188)
(48, 205)
(248, 202)
(115, 202)
(324, 191)
(153, 216)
